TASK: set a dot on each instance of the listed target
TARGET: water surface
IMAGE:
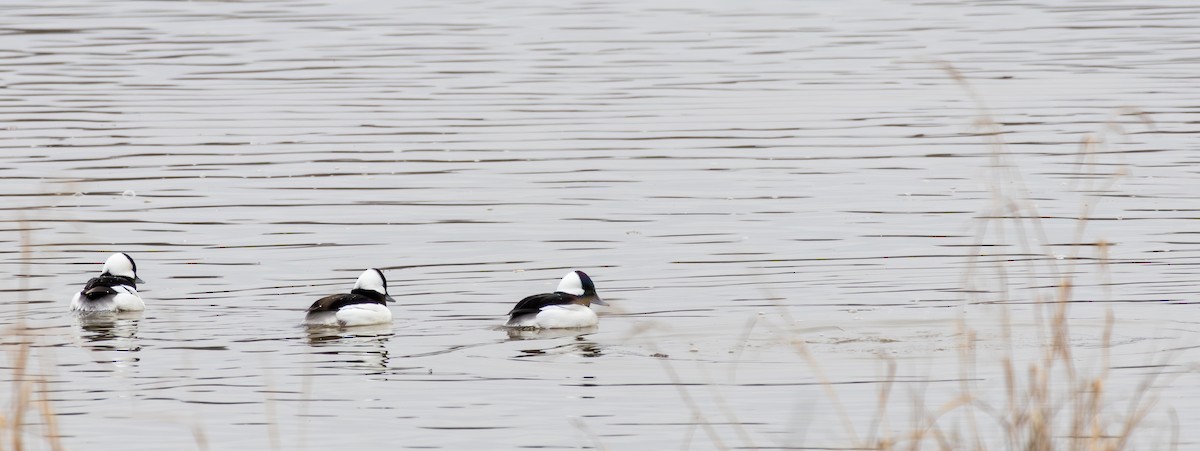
(734, 177)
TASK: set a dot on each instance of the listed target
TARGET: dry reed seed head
(641, 328)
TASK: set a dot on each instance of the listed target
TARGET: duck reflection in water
(522, 333)
(110, 331)
(580, 345)
(363, 347)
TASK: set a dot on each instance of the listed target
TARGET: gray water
(733, 175)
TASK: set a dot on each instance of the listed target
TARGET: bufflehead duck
(114, 291)
(569, 306)
(365, 304)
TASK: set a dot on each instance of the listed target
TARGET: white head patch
(120, 265)
(571, 284)
(372, 280)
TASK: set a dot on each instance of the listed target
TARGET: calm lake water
(735, 176)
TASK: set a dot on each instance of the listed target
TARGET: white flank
(126, 300)
(350, 316)
(325, 319)
(564, 316)
(363, 314)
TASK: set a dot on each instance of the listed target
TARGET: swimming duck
(115, 290)
(365, 304)
(569, 306)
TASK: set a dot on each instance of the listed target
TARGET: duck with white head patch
(115, 290)
(569, 306)
(366, 304)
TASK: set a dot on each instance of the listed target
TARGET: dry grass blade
(579, 424)
(48, 416)
(1059, 403)
(21, 393)
(697, 413)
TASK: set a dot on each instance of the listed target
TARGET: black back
(102, 286)
(534, 304)
(356, 296)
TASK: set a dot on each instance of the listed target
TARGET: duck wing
(334, 302)
(535, 303)
(99, 287)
